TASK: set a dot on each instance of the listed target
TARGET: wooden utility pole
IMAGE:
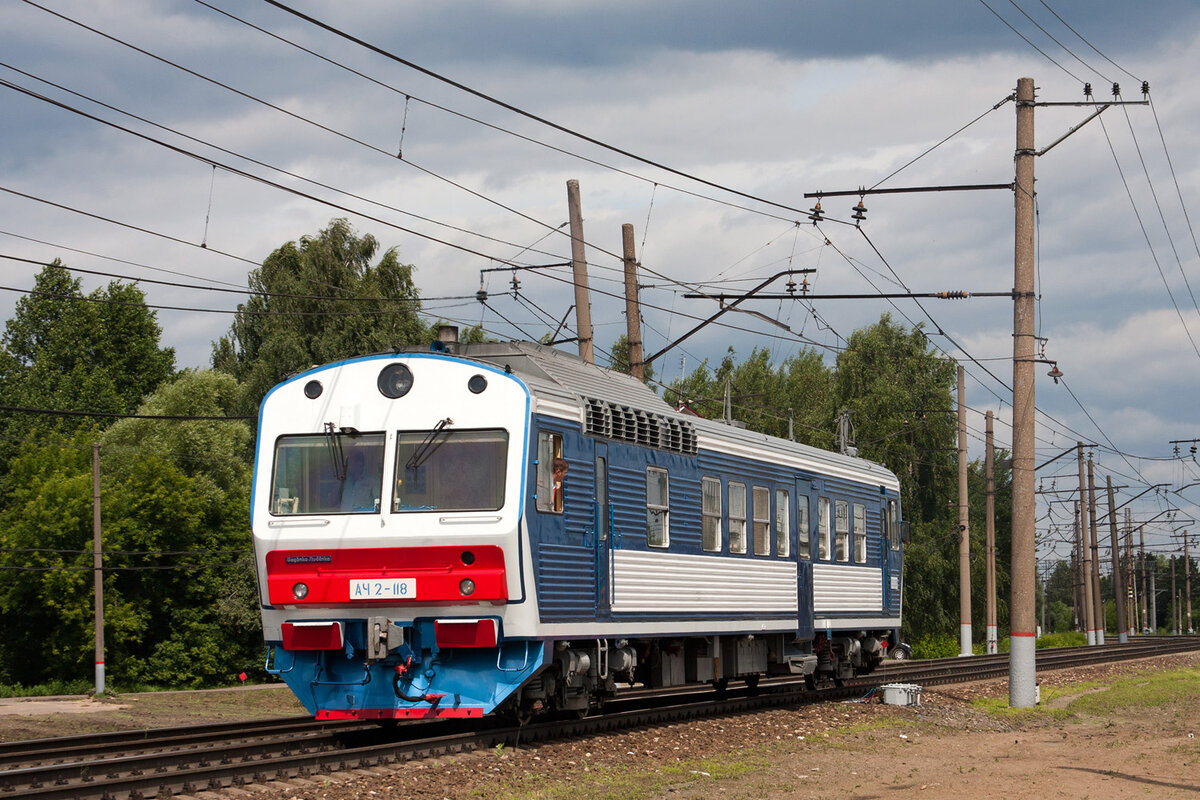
(1118, 577)
(97, 570)
(989, 465)
(1085, 554)
(633, 314)
(1097, 595)
(964, 527)
(1022, 670)
(583, 308)
(1077, 573)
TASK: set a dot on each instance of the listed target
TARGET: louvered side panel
(566, 585)
(838, 589)
(672, 583)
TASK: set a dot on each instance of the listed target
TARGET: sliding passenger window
(860, 533)
(841, 523)
(782, 530)
(893, 525)
(762, 521)
(657, 507)
(823, 528)
(549, 486)
(710, 514)
(737, 517)
(803, 531)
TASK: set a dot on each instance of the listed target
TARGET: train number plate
(384, 589)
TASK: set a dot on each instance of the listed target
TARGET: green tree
(66, 351)
(899, 394)
(180, 600)
(762, 395)
(315, 301)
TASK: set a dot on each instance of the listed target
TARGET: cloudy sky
(703, 124)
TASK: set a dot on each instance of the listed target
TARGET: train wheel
(752, 683)
(810, 682)
(721, 687)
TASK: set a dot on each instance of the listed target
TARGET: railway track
(161, 762)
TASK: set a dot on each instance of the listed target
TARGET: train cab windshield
(450, 470)
(331, 473)
(444, 469)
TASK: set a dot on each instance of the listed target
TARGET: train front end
(386, 514)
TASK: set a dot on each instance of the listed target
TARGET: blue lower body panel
(412, 682)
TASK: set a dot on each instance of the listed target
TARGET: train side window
(860, 533)
(657, 507)
(762, 520)
(841, 525)
(710, 514)
(893, 525)
(823, 528)
(737, 517)
(549, 491)
(782, 527)
(803, 531)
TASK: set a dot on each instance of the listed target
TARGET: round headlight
(477, 384)
(395, 380)
(312, 390)
(300, 591)
(467, 587)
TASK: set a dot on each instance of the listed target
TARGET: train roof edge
(552, 372)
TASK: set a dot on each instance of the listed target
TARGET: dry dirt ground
(945, 749)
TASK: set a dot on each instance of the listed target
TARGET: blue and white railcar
(418, 555)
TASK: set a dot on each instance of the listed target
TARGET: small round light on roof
(395, 380)
(477, 384)
(313, 389)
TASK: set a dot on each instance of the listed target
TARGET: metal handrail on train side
(500, 657)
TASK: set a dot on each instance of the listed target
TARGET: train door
(890, 555)
(603, 538)
(885, 560)
(803, 552)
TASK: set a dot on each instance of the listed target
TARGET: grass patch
(1142, 690)
(622, 783)
(53, 688)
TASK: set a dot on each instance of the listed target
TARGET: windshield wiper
(429, 446)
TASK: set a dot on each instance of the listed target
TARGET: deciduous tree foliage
(180, 602)
(66, 351)
(315, 301)
(762, 395)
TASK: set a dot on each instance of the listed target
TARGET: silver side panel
(838, 589)
(670, 582)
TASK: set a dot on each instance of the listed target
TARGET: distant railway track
(160, 762)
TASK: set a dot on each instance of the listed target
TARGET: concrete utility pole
(1187, 584)
(964, 527)
(583, 308)
(97, 569)
(1085, 554)
(1118, 577)
(1077, 572)
(989, 465)
(1097, 595)
(1145, 581)
(1022, 669)
(633, 313)
(1132, 572)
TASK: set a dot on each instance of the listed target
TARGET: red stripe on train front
(399, 713)
(387, 576)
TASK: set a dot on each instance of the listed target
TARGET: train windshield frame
(327, 473)
(450, 469)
